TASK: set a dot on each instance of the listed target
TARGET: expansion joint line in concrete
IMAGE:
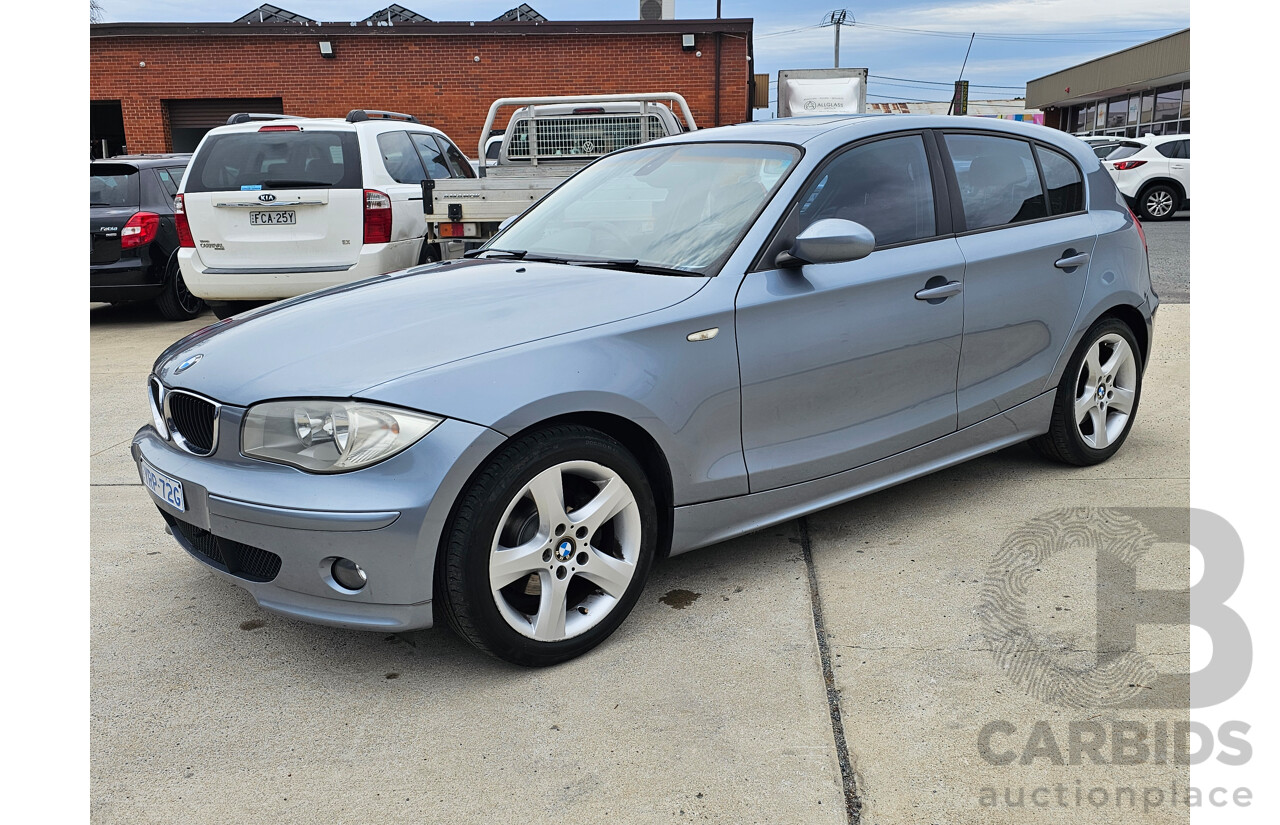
(852, 801)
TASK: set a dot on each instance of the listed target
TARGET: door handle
(1072, 261)
(938, 294)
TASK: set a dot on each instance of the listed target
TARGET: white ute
(547, 140)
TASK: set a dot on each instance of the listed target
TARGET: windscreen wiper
(514, 254)
(631, 265)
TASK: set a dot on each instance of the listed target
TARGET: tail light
(180, 219)
(140, 230)
(1122, 165)
(1141, 234)
(377, 217)
(279, 129)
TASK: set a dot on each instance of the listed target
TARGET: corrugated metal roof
(1163, 60)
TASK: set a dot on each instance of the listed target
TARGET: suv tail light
(1122, 165)
(180, 219)
(139, 230)
(377, 217)
(279, 129)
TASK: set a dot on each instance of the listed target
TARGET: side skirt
(697, 525)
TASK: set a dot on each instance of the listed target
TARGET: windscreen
(113, 184)
(245, 161)
(682, 206)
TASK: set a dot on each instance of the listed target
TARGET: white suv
(1154, 174)
(274, 206)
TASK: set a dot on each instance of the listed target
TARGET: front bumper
(388, 518)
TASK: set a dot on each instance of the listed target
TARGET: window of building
(999, 183)
(1168, 104)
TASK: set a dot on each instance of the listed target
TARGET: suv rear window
(1124, 150)
(276, 160)
(113, 184)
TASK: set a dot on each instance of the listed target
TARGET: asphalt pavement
(1169, 255)
(839, 668)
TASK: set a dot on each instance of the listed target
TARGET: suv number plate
(272, 218)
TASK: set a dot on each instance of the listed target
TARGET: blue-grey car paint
(499, 346)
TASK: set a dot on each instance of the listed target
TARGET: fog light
(348, 574)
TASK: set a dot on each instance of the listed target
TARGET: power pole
(837, 18)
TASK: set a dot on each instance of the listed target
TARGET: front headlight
(330, 436)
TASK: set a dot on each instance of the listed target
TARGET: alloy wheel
(565, 551)
(1105, 391)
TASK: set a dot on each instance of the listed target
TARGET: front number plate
(273, 218)
(166, 489)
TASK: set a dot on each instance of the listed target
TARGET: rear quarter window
(1063, 180)
(276, 160)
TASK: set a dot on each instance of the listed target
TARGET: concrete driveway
(834, 669)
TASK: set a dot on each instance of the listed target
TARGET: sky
(1017, 40)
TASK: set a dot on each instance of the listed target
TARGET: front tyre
(550, 546)
(1097, 397)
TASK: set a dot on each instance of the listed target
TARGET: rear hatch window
(249, 161)
(1124, 150)
(113, 184)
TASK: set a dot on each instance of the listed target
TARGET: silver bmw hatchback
(684, 342)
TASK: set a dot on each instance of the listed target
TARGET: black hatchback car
(133, 240)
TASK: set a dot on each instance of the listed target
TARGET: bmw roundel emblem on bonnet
(266, 197)
(188, 364)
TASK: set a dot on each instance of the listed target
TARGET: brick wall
(435, 77)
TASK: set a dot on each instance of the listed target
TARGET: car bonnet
(337, 342)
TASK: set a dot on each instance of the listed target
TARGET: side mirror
(829, 241)
(507, 222)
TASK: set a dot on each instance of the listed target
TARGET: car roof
(167, 159)
(844, 128)
(329, 123)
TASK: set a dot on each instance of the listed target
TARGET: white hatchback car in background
(274, 206)
(1153, 174)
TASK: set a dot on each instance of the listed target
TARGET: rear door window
(999, 182)
(1063, 180)
(432, 155)
(458, 163)
(245, 161)
(113, 184)
(170, 179)
(1176, 149)
(400, 158)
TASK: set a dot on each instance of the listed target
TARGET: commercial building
(1142, 90)
(158, 87)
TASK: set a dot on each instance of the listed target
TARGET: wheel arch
(629, 434)
(641, 444)
(1170, 182)
(1133, 319)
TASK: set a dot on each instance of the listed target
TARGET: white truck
(822, 92)
(546, 141)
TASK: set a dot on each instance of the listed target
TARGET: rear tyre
(549, 547)
(225, 309)
(430, 253)
(1159, 202)
(1097, 398)
(176, 303)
